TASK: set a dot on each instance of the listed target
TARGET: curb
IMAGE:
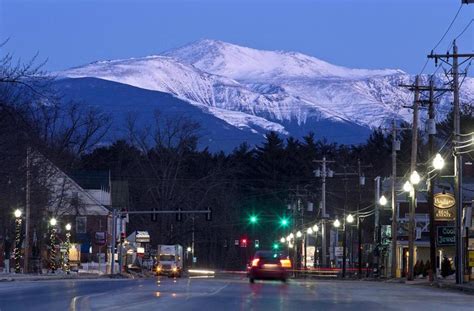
(53, 277)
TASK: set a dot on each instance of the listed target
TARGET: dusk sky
(362, 33)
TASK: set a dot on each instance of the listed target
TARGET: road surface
(231, 293)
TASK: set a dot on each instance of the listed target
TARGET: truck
(169, 260)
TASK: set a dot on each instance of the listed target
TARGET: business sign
(444, 204)
(446, 236)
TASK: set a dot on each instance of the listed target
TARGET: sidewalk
(439, 283)
(9, 277)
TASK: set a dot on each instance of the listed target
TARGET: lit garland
(17, 252)
(53, 249)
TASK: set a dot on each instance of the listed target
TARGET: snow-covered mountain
(258, 91)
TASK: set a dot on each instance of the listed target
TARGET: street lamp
(282, 240)
(17, 252)
(309, 230)
(415, 178)
(407, 187)
(350, 218)
(315, 228)
(188, 249)
(438, 162)
(67, 266)
(298, 234)
(383, 200)
(52, 239)
(336, 223)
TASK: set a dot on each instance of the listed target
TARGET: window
(81, 224)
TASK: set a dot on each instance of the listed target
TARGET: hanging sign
(444, 204)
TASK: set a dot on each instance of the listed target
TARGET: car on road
(268, 265)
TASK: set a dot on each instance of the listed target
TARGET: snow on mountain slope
(367, 97)
(242, 63)
(165, 74)
(258, 91)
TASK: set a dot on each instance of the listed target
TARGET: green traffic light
(284, 222)
(253, 219)
(275, 246)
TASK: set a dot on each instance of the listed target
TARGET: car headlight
(174, 269)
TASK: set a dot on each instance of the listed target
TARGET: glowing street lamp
(282, 240)
(415, 178)
(309, 230)
(298, 234)
(383, 200)
(315, 228)
(188, 249)
(53, 221)
(438, 162)
(407, 187)
(17, 213)
(350, 218)
(336, 223)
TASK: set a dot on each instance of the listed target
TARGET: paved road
(226, 294)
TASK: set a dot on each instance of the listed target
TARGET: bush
(416, 268)
(427, 268)
(446, 269)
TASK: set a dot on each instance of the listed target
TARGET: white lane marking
(207, 294)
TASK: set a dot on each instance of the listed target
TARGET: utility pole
(431, 131)
(394, 230)
(414, 149)
(377, 222)
(431, 146)
(323, 174)
(27, 210)
(457, 156)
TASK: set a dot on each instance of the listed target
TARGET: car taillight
(285, 263)
(255, 262)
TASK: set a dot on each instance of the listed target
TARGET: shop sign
(446, 236)
(471, 258)
(444, 204)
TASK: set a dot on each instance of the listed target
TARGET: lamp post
(349, 219)
(67, 266)
(17, 251)
(438, 164)
(414, 180)
(52, 238)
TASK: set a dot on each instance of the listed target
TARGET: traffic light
(276, 246)
(253, 219)
(209, 214)
(243, 242)
(257, 244)
(179, 216)
(284, 222)
(154, 217)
